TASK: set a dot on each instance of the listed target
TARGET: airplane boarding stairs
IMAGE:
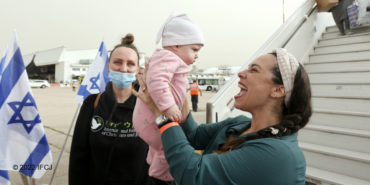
(336, 141)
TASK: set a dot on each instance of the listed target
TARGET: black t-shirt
(105, 147)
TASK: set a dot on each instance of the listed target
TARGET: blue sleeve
(200, 136)
(252, 163)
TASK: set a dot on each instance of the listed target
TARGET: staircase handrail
(279, 39)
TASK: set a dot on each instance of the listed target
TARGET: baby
(166, 81)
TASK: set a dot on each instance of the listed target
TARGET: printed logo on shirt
(97, 123)
(119, 129)
(121, 125)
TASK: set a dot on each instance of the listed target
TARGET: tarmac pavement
(57, 106)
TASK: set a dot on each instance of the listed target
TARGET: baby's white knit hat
(179, 30)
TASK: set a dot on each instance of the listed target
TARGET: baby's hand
(173, 113)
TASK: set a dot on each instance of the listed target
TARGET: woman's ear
(278, 91)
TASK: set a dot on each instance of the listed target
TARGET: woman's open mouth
(243, 91)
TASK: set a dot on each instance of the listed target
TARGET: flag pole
(65, 142)
(99, 63)
(24, 178)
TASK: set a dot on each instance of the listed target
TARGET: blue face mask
(121, 80)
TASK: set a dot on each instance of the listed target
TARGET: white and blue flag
(97, 76)
(4, 177)
(23, 144)
(2, 61)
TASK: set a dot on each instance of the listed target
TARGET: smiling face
(123, 60)
(188, 53)
(256, 85)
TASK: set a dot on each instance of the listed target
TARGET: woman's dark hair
(127, 42)
(295, 115)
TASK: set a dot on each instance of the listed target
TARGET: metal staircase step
(341, 91)
(334, 28)
(347, 66)
(342, 48)
(361, 78)
(349, 163)
(340, 56)
(336, 152)
(340, 120)
(332, 178)
(341, 138)
(335, 33)
(344, 112)
(347, 39)
(331, 28)
(343, 105)
(342, 131)
(336, 141)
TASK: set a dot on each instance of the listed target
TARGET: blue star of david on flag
(17, 117)
(22, 134)
(93, 81)
(96, 77)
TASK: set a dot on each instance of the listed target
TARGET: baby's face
(188, 53)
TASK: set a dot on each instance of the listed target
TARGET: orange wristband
(166, 126)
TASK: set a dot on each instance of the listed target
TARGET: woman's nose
(242, 74)
(123, 68)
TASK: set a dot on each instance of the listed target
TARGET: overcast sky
(233, 29)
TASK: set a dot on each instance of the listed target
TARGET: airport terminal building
(60, 65)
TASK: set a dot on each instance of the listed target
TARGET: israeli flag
(4, 177)
(23, 144)
(2, 62)
(97, 76)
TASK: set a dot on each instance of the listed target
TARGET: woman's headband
(288, 66)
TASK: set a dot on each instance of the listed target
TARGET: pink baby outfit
(165, 69)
